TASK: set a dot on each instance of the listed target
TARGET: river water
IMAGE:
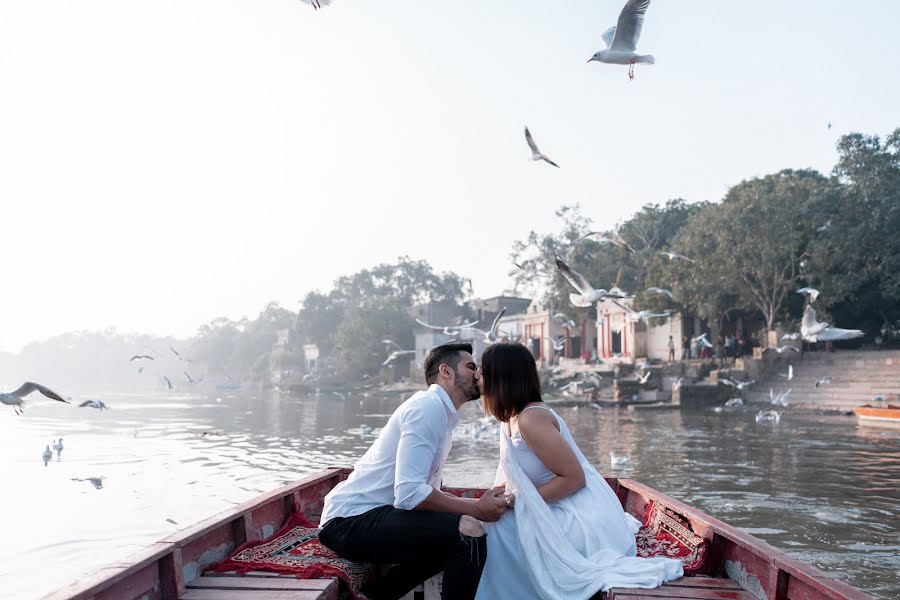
(821, 488)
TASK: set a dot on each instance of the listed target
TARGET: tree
(748, 249)
(855, 258)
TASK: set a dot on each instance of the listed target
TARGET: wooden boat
(743, 567)
(885, 416)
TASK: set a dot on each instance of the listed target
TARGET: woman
(567, 536)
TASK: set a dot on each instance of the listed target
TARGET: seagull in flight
(809, 292)
(538, 272)
(168, 383)
(780, 349)
(317, 4)
(621, 39)
(768, 415)
(816, 331)
(791, 336)
(662, 291)
(98, 404)
(608, 237)
(559, 344)
(395, 355)
(535, 153)
(141, 357)
(587, 294)
(645, 378)
(738, 385)
(16, 398)
(701, 339)
(790, 374)
(492, 334)
(447, 329)
(674, 256)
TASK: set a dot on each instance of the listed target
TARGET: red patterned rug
(295, 550)
(667, 534)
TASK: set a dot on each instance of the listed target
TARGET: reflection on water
(819, 487)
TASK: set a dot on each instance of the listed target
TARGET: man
(391, 509)
(671, 346)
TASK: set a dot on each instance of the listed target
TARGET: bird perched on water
(47, 455)
(621, 39)
(768, 415)
(58, 446)
(535, 153)
(16, 398)
(98, 404)
(618, 460)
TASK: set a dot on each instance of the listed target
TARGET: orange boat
(183, 565)
(884, 416)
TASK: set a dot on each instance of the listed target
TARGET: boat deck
(270, 586)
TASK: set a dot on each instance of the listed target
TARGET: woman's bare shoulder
(536, 420)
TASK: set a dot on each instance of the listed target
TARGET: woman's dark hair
(445, 354)
(509, 380)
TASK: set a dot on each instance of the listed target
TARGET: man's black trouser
(420, 544)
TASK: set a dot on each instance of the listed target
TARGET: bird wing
(628, 28)
(424, 324)
(89, 403)
(531, 144)
(574, 277)
(547, 160)
(493, 329)
(608, 36)
(30, 386)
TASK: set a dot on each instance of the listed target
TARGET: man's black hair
(445, 354)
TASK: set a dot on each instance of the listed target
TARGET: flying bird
(816, 331)
(587, 294)
(768, 415)
(492, 334)
(140, 357)
(790, 374)
(608, 237)
(738, 385)
(662, 291)
(535, 153)
(809, 292)
(16, 398)
(98, 404)
(645, 378)
(447, 329)
(168, 383)
(621, 39)
(395, 355)
(673, 256)
(791, 336)
(823, 381)
(317, 4)
(780, 349)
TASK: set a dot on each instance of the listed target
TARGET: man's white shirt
(405, 463)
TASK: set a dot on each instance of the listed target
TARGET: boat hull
(174, 567)
(888, 416)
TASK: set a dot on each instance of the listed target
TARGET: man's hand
(492, 505)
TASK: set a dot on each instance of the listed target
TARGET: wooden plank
(704, 582)
(433, 587)
(691, 593)
(262, 583)
(252, 595)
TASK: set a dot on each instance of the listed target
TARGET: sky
(167, 162)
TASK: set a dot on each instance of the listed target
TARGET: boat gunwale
(166, 553)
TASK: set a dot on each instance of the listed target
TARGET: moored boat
(884, 416)
(739, 566)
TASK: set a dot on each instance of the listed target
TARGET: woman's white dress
(569, 549)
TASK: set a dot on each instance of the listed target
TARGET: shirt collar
(448, 403)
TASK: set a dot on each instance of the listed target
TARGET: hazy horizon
(163, 164)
